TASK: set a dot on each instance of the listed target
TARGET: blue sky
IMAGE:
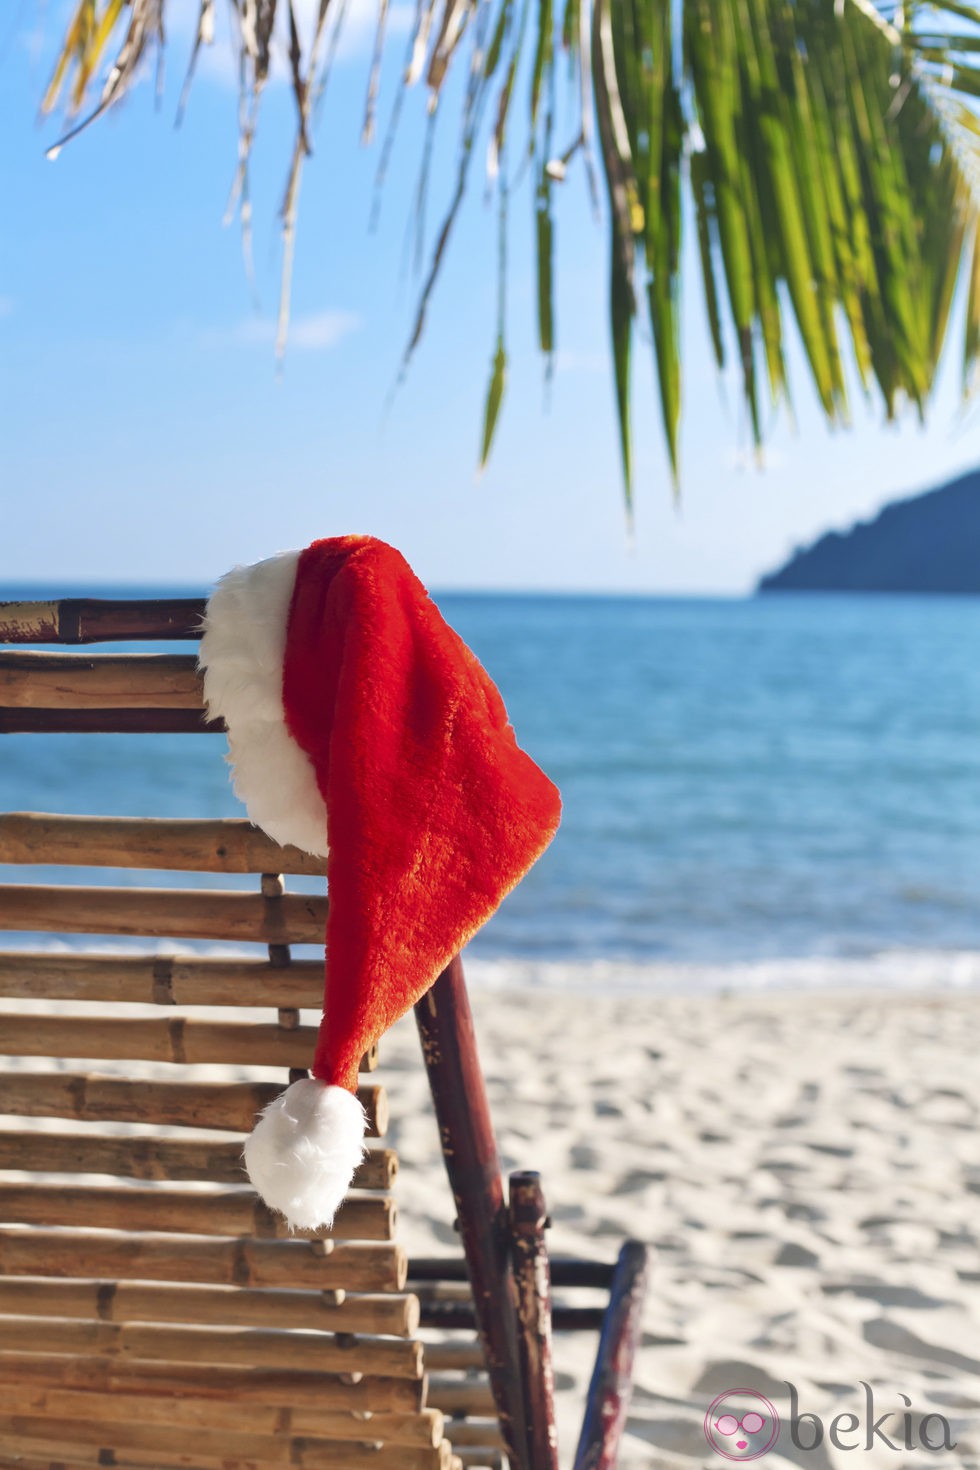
(146, 436)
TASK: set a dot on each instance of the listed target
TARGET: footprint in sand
(792, 1254)
(881, 1332)
(638, 1179)
(885, 1293)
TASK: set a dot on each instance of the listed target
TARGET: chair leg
(612, 1379)
(532, 1276)
(469, 1148)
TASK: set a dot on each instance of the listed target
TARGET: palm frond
(831, 151)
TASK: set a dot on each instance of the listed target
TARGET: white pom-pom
(304, 1150)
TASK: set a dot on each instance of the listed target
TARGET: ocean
(776, 791)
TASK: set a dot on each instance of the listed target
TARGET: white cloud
(322, 330)
(318, 331)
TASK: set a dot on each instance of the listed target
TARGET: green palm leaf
(832, 158)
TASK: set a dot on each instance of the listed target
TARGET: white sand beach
(805, 1166)
(807, 1170)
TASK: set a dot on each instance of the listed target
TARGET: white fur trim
(241, 657)
(304, 1150)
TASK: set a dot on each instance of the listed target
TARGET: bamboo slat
(425, 1427)
(235, 1212)
(161, 979)
(461, 1396)
(160, 1445)
(37, 1457)
(565, 1271)
(442, 1355)
(33, 1251)
(459, 1316)
(169, 913)
(99, 681)
(100, 620)
(184, 844)
(175, 1039)
(87, 1097)
(442, 1292)
(175, 1159)
(141, 1459)
(297, 1388)
(482, 1432)
(225, 1306)
(245, 1347)
(108, 722)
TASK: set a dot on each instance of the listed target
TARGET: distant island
(928, 543)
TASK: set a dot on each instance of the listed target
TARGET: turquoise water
(776, 790)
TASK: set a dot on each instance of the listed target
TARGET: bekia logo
(742, 1424)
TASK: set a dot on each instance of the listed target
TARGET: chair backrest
(152, 1310)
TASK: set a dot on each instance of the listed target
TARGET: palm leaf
(832, 153)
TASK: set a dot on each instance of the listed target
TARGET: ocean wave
(885, 970)
(898, 969)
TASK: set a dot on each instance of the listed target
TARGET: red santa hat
(361, 728)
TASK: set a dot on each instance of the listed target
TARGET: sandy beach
(807, 1169)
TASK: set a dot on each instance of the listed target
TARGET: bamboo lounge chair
(150, 1322)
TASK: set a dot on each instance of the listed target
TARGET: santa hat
(361, 728)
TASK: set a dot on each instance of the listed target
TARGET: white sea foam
(908, 970)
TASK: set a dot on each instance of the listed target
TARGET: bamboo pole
(157, 1444)
(451, 1316)
(235, 1387)
(175, 1159)
(87, 1097)
(179, 844)
(226, 1306)
(230, 1212)
(100, 681)
(161, 979)
(140, 1460)
(611, 1388)
(101, 620)
(424, 1427)
(174, 913)
(234, 1347)
(108, 722)
(440, 1356)
(178, 1039)
(461, 1396)
(565, 1271)
(528, 1218)
(367, 1267)
(449, 1292)
(469, 1149)
(459, 1316)
(482, 1432)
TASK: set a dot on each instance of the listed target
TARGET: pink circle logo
(741, 1424)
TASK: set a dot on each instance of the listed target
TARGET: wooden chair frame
(503, 1238)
